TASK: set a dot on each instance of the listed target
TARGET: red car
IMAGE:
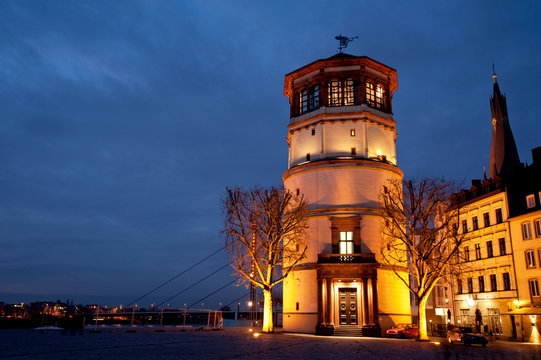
(404, 331)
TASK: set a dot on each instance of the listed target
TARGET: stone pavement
(239, 343)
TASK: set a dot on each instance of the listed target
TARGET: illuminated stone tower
(341, 138)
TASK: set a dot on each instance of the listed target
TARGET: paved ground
(238, 343)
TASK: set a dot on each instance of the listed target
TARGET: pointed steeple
(503, 152)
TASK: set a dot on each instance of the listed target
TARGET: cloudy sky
(123, 122)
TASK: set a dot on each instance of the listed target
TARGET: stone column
(375, 300)
(328, 310)
(320, 318)
(366, 309)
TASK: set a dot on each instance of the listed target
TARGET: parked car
(466, 335)
(403, 331)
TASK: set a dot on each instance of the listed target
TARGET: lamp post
(133, 314)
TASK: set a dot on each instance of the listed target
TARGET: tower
(503, 150)
(341, 139)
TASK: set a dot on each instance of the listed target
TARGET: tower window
(380, 97)
(352, 132)
(370, 94)
(308, 157)
(350, 97)
(298, 191)
(353, 151)
(346, 242)
(303, 101)
(313, 132)
(335, 93)
(313, 98)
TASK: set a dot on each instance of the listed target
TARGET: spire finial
(344, 41)
(494, 76)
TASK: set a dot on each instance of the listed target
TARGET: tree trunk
(268, 325)
(423, 333)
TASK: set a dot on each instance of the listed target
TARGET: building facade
(341, 139)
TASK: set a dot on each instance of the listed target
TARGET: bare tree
(264, 228)
(420, 236)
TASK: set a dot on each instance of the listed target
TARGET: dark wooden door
(348, 306)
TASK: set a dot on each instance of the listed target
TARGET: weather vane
(344, 41)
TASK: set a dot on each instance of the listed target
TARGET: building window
(526, 231)
(464, 226)
(534, 288)
(493, 283)
(490, 251)
(466, 253)
(335, 93)
(350, 97)
(353, 151)
(465, 317)
(530, 201)
(303, 101)
(477, 251)
(313, 98)
(308, 157)
(499, 217)
(506, 281)
(481, 283)
(313, 132)
(459, 285)
(346, 242)
(530, 259)
(470, 285)
(370, 94)
(502, 246)
(380, 97)
(475, 223)
(494, 323)
(297, 306)
(298, 191)
(352, 132)
(537, 227)
(486, 219)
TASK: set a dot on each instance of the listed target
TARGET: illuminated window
(370, 94)
(530, 259)
(486, 219)
(490, 251)
(530, 201)
(313, 98)
(506, 281)
(466, 254)
(477, 251)
(380, 97)
(464, 226)
(346, 242)
(499, 217)
(352, 132)
(350, 97)
(303, 101)
(537, 227)
(481, 280)
(534, 288)
(465, 317)
(353, 151)
(475, 223)
(526, 231)
(493, 283)
(470, 285)
(502, 246)
(335, 93)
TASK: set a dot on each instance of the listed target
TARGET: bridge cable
(214, 292)
(176, 276)
(192, 285)
(234, 301)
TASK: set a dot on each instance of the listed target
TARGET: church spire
(503, 152)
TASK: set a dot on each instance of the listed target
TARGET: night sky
(124, 121)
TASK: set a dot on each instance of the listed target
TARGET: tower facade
(341, 138)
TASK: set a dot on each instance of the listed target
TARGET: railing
(363, 258)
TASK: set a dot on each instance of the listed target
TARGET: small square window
(530, 201)
(352, 132)
(353, 151)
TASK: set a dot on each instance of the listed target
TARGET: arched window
(335, 93)
(370, 94)
(313, 98)
(303, 101)
(350, 97)
(380, 97)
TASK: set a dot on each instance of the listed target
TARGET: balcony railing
(364, 258)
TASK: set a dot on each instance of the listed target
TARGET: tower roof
(503, 151)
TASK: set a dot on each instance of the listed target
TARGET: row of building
(341, 139)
